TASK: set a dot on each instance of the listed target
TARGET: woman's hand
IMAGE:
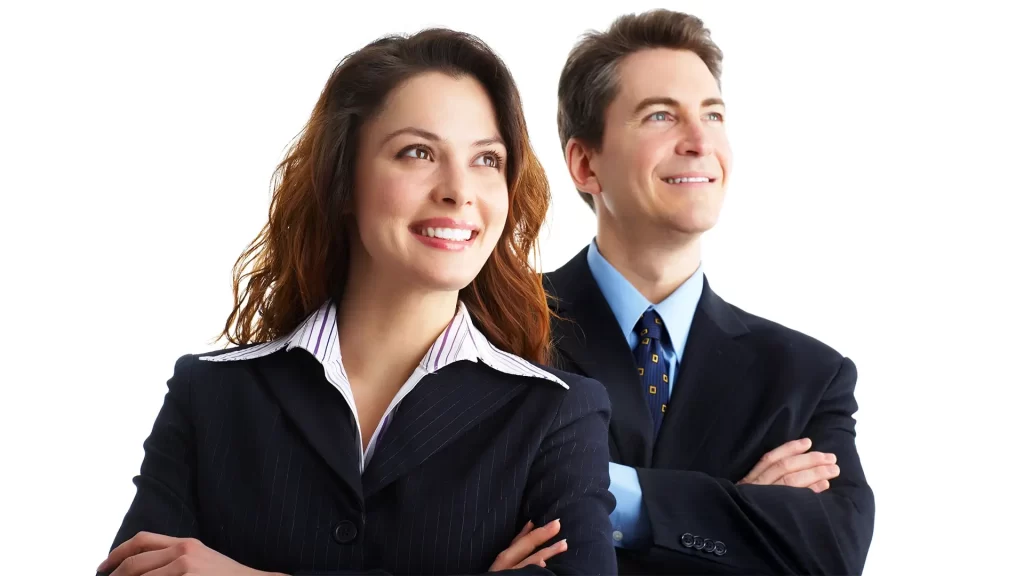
(523, 550)
(158, 555)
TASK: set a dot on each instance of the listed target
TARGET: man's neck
(656, 267)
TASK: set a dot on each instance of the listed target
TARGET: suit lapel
(590, 336)
(713, 371)
(316, 409)
(441, 408)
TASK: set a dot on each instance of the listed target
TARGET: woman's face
(431, 197)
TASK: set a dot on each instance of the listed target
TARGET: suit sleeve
(165, 501)
(775, 529)
(569, 480)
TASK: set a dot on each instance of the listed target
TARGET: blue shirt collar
(628, 304)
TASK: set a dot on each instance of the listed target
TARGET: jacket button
(698, 543)
(719, 549)
(345, 532)
(687, 540)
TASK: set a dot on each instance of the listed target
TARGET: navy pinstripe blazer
(258, 460)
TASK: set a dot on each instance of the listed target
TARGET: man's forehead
(664, 73)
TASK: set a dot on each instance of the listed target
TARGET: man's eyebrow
(654, 100)
(667, 101)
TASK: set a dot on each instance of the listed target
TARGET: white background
(873, 205)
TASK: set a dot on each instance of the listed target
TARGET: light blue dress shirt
(630, 524)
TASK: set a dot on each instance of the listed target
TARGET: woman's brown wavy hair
(300, 258)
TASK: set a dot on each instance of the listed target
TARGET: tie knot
(650, 325)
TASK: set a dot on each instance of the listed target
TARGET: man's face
(665, 158)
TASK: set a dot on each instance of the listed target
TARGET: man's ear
(578, 158)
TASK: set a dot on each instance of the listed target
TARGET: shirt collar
(628, 304)
(461, 340)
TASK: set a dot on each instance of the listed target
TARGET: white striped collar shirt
(461, 340)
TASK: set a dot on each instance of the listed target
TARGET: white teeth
(687, 180)
(456, 234)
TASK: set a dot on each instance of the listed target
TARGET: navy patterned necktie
(649, 356)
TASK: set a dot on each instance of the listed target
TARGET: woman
(386, 408)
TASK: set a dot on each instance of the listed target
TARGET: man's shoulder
(567, 279)
(782, 342)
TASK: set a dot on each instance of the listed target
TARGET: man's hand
(791, 465)
(523, 550)
(155, 554)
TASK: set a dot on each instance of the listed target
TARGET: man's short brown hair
(590, 82)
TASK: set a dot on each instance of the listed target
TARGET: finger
(522, 548)
(541, 557)
(526, 530)
(807, 478)
(819, 486)
(526, 545)
(791, 448)
(179, 567)
(141, 542)
(534, 538)
(538, 536)
(794, 464)
(147, 561)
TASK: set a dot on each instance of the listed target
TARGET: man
(715, 410)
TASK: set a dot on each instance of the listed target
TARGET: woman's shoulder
(570, 379)
(198, 364)
(519, 367)
(576, 388)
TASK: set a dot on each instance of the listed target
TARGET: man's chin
(693, 223)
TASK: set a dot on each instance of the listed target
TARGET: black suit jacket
(258, 459)
(745, 386)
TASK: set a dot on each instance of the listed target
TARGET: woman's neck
(386, 327)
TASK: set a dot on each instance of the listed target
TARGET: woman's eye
(659, 116)
(417, 152)
(716, 116)
(490, 160)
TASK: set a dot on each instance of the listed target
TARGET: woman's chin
(448, 281)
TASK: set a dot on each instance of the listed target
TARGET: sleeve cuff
(631, 528)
